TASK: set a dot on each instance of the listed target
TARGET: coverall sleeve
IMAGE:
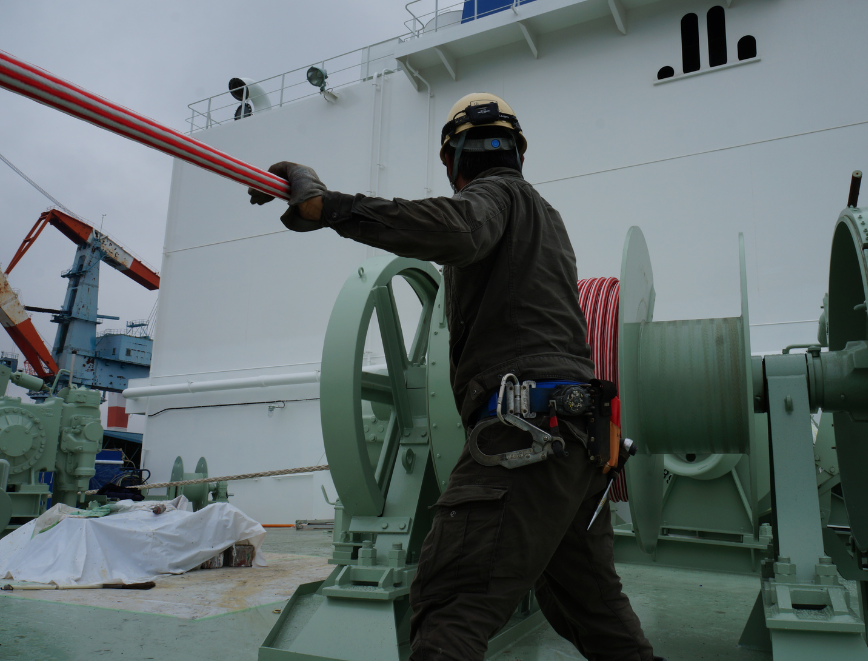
(456, 231)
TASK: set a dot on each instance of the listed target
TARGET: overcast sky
(155, 57)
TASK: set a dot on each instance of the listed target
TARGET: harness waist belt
(538, 397)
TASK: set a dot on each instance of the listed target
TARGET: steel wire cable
(225, 478)
(39, 188)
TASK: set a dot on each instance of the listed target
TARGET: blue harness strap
(539, 398)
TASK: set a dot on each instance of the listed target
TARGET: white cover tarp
(127, 547)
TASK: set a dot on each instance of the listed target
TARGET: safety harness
(516, 403)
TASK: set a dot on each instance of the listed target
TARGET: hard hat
(480, 109)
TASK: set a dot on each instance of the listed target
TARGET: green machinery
(62, 434)
(689, 390)
(692, 387)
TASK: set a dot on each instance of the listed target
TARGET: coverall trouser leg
(497, 533)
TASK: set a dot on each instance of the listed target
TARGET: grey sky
(155, 57)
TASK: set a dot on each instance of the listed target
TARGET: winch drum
(686, 387)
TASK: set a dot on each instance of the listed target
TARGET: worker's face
(450, 159)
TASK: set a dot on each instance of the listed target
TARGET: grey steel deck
(226, 613)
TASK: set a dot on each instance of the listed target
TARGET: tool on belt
(516, 403)
(626, 449)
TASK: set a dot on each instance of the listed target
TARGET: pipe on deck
(193, 387)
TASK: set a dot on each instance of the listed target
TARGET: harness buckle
(525, 399)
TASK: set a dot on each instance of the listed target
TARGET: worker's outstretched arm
(457, 231)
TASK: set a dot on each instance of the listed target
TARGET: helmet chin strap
(459, 147)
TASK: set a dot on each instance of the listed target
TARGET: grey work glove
(303, 185)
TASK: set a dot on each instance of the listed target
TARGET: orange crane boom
(80, 233)
(16, 321)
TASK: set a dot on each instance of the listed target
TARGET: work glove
(304, 184)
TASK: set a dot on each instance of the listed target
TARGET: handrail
(212, 111)
(438, 11)
(415, 18)
(202, 112)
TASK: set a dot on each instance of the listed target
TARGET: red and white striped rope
(43, 87)
(598, 298)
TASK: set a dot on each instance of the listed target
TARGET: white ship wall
(765, 148)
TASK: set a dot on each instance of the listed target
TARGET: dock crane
(103, 363)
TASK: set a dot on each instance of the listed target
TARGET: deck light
(316, 76)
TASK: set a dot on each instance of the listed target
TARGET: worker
(512, 307)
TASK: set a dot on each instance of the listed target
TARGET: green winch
(61, 435)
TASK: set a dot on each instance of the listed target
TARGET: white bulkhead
(763, 146)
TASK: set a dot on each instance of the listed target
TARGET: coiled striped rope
(598, 298)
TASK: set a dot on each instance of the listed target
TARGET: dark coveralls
(512, 306)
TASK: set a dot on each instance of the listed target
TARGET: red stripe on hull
(118, 417)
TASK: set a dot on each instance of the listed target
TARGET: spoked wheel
(396, 391)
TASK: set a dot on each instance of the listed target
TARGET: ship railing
(345, 69)
(112, 331)
(445, 14)
(435, 19)
(140, 332)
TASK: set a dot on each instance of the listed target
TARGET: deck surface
(226, 613)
